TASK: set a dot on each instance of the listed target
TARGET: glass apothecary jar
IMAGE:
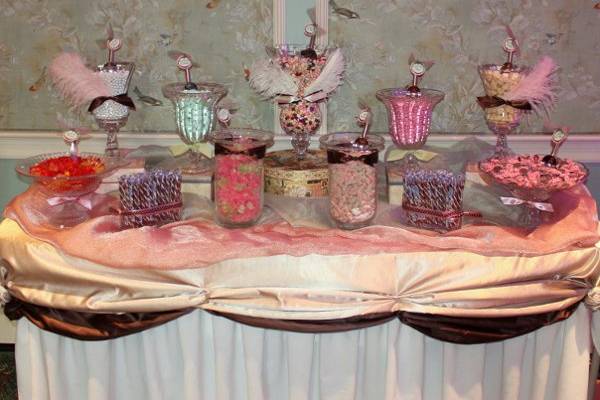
(239, 175)
(352, 177)
(409, 114)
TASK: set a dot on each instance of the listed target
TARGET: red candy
(67, 166)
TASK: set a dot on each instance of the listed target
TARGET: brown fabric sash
(88, 326)
(92, 326)
(122, 99)
(495, 101)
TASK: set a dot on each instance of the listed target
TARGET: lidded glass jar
(352, 177)
(238, 182)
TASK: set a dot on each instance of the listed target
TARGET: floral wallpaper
(458, 35)
(224, 36)
(221, 36)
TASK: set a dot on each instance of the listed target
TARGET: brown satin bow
(123, 99)
(495, 101)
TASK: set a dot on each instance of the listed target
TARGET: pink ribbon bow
(85, 200)
(513, 201)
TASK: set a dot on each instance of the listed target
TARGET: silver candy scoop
(558, 138)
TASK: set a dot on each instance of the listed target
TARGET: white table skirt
(201, 356)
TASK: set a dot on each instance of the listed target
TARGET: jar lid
(241, 139)
(347, 142)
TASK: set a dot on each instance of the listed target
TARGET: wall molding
(19, 144)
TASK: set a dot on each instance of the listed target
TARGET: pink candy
(529, 172)
(238, 188)
(304, 70)
(352, 193)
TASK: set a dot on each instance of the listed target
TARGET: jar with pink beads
(352, 177)
(238, 175)
(409, 109)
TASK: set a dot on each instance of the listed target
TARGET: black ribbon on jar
(341, 157)
(122, 99)
(495, 101)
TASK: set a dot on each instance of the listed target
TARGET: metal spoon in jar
(417, 69)
(558, 138)
(364, 120)
(184, 63)
(311, 31)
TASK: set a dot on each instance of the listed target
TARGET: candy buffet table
(191, 310)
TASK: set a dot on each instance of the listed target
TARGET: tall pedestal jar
(409, 114)
(112, 115)
(301, 118)
(504, 119)
(352, 178)
(238, 182)
(195, 115)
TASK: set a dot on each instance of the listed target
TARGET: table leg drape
(203, 356)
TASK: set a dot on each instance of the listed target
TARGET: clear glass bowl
(65, 211)
(529, 180)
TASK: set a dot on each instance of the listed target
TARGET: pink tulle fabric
(198, 243)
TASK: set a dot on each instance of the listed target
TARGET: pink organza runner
(198, 242)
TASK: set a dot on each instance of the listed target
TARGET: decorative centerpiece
(285, 175)
(533, 178)
(150, 198)
(352, 174)
(238, 175)
(104, 89)
(298, 78)
(65, 179)
(433, 200)
(410, 108)
(195, 115)
(511, 91)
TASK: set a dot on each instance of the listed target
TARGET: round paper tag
(310, 30)
(364, 116)
(114, 44)
(70, 136)
(417, 69)
(558, 135)
(223, 115)
(184, 62)
(510, 45)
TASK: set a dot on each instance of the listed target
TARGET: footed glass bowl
(531, 181)
(63, 179)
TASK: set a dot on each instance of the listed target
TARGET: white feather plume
(76, 83)
(270, 80)
(330, 77)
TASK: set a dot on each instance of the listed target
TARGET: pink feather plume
(76, 83)
(538, 87)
